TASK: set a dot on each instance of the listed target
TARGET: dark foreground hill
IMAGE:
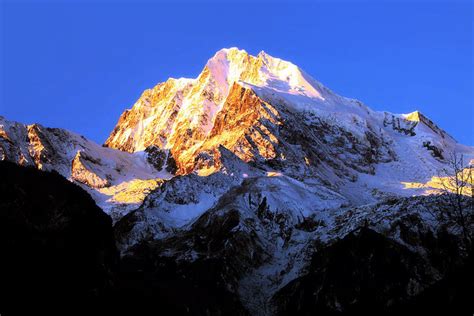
(56, 245)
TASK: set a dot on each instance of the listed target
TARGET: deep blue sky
(79, 65)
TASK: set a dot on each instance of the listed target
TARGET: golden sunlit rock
(444, 184)
(81, 171)
(413, 116)
(39, 148)
(131, 192)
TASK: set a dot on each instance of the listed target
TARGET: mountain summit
(262, 108)
(182, 115)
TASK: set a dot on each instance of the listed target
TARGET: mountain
(281, 129)
(270, 113)
(273, 164)
(240, 180)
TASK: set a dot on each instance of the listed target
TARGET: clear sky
(78, 65)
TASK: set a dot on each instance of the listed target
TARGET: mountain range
(255, 181)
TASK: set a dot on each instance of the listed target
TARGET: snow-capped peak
(231, 65)
(241, 102)
(227, 66)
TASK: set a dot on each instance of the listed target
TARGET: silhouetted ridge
(57, 246)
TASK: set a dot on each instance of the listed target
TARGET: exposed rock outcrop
(82, 170)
